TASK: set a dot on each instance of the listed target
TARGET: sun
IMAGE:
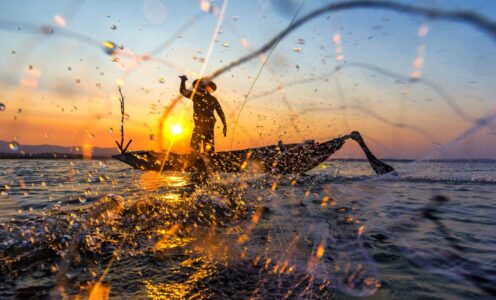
(176, 129)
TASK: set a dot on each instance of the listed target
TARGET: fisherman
(204, 105)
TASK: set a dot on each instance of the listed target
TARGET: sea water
(88, 227)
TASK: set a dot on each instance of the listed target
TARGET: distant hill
(48, 151)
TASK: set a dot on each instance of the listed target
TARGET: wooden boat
(276, 159)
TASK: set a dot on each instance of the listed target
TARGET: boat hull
(279, 159)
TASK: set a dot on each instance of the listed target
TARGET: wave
(328, 178)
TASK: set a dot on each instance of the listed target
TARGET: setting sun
(176, 129)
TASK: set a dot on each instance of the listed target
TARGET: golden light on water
(99, 291)
(152, 180)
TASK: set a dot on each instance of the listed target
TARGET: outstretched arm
(182, 89)
(220, 112)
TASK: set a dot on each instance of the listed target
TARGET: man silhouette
(204, 105)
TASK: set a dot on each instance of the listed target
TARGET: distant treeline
(46, 156)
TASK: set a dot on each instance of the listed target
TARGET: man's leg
(196, 139)
(209, 142)
(199, 169)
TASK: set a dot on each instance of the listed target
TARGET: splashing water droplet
(109, 47)
(14, 146)
(155, 11)
(59, 20)
(113, 27)
(205, 6)
(110, 130)
(2, 107)
(46, 29)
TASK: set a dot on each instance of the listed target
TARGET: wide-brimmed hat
(204, 84)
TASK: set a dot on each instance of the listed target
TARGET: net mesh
(338, 231)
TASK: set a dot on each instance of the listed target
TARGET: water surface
(80, 227)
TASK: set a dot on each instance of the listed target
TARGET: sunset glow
(176, 129)
(66, 86)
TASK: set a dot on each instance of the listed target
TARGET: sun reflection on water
(153, 180)
(190, 288)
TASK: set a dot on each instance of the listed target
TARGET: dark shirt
(204, 105)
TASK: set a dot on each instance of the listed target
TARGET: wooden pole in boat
(123, 149)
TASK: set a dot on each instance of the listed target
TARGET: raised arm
(182, 89)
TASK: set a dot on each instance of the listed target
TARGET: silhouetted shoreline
(48, 156)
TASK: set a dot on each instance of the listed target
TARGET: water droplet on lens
(78, 81)
(2, 107)
(19, 110)
(161, 80)
(297, 50)
(152, 137)
(226, 44)
(109, 47)
(14, 146)
(46, 29)
(113, 27)
(110, 130)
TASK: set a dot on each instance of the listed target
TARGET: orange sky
(52, 118)
(65, 85)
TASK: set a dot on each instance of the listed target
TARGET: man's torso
(204, 107)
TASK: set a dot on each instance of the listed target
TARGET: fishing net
(414, 80)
